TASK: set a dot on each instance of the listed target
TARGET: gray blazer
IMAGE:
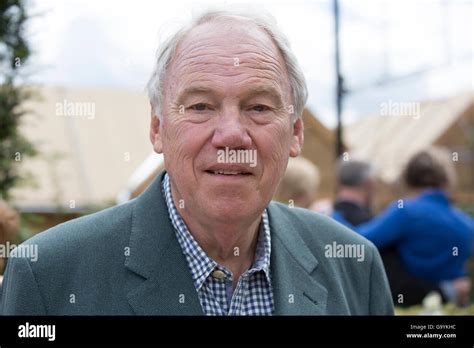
(126, 260)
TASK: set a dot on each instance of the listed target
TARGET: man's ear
(155, 133)
(297, 138)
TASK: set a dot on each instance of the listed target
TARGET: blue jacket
(434, 239)
(127, 260)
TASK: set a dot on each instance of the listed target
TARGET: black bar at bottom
(415, 330)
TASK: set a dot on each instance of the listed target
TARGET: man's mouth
(229, 171)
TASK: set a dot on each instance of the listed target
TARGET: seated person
(412, 238)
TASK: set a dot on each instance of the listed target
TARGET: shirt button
(218, 274)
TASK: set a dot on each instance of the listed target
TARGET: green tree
(14, 53)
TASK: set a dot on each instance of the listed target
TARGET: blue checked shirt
(253, 294)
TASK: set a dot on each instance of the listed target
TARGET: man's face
(226, 88)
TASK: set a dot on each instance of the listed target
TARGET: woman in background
(433, 238)
(299, 184)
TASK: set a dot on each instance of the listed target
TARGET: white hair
(265, 21)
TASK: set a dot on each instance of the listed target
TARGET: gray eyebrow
(196, 90)
(253, 91)
(266, 90)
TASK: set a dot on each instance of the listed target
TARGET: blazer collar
(294, 268)
(165, 285)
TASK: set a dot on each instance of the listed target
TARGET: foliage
(14, 53)
(447, 309)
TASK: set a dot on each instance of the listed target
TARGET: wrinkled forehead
(229, 48)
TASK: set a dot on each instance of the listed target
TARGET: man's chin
(227, 210)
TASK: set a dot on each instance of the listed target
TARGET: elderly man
(226, 102)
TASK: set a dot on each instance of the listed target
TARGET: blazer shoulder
(316, 229)
(350, 266)
(85, 234)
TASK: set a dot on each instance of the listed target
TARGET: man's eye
(199, 107)
(260, 108)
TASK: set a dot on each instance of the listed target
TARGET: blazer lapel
(294, 268)
(164, 285)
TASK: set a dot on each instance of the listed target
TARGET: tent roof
(389, 141)
(82, 158)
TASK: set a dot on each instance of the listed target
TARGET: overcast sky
(391, 49)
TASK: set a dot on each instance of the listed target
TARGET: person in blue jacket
(356, 185)
(433, 238)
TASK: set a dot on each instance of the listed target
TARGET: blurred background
(387, 79)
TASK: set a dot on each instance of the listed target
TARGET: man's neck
(231, 244)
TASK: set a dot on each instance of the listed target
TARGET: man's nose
(231, 131)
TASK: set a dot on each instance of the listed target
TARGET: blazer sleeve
(380, 296)
(20, 292)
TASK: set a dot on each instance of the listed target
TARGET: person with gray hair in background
(424, 242)
(355, 190)
(355, 193)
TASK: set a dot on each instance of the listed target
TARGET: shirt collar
(199, 263)
(435, 194)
